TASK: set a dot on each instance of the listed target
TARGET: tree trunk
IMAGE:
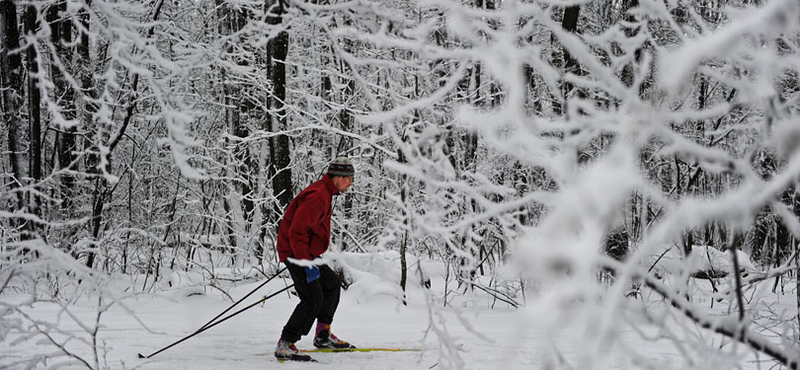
(85, 70)
(569, 22)
(11, 86)
(277, 49)
(61, 37)
(404, 243)
(347, 121)
(34, 112)
(243, 170)
(404, 266)
(626, 75)
(471, 139)
(89, 108)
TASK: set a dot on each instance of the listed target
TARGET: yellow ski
(360, 350)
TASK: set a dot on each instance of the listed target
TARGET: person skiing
(304, 235)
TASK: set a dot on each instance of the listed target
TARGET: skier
(304, 234)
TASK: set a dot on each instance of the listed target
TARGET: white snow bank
(378, 273)
(669, 260)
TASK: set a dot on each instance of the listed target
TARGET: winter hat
(341, 166)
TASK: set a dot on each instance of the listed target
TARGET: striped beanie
(341, 166)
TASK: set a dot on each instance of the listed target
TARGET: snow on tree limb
(745, 31)
(730, 327)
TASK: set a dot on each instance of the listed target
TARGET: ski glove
(312, 273)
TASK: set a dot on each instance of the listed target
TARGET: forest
(620, 151)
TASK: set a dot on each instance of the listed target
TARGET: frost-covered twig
(46, 333)
(502, 296)
(735, 329)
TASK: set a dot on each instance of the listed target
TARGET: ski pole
(243, 298)
(209, 326)
(216, 323)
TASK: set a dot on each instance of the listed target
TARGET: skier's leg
(331, 290)
(311, 301)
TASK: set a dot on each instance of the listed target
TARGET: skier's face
(342, 183)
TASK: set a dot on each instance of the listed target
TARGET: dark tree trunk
(61, 37)
(345, 115)
(11, 83)
(34, 102)
(34, 97)
(471, 138)
(627, 76)
(12, 93)
(87, 92)
(404, 243)
(89, 108)
(569, 23)
(280, 171)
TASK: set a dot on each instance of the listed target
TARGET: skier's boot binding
(326, 339)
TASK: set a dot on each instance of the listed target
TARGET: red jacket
(305, 229)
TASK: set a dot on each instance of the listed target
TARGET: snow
(669, 260)
(249, 339)
(555, 330)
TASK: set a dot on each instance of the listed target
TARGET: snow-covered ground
(247, 341)
(535, 337)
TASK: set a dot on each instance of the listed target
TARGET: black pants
(318, 301)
